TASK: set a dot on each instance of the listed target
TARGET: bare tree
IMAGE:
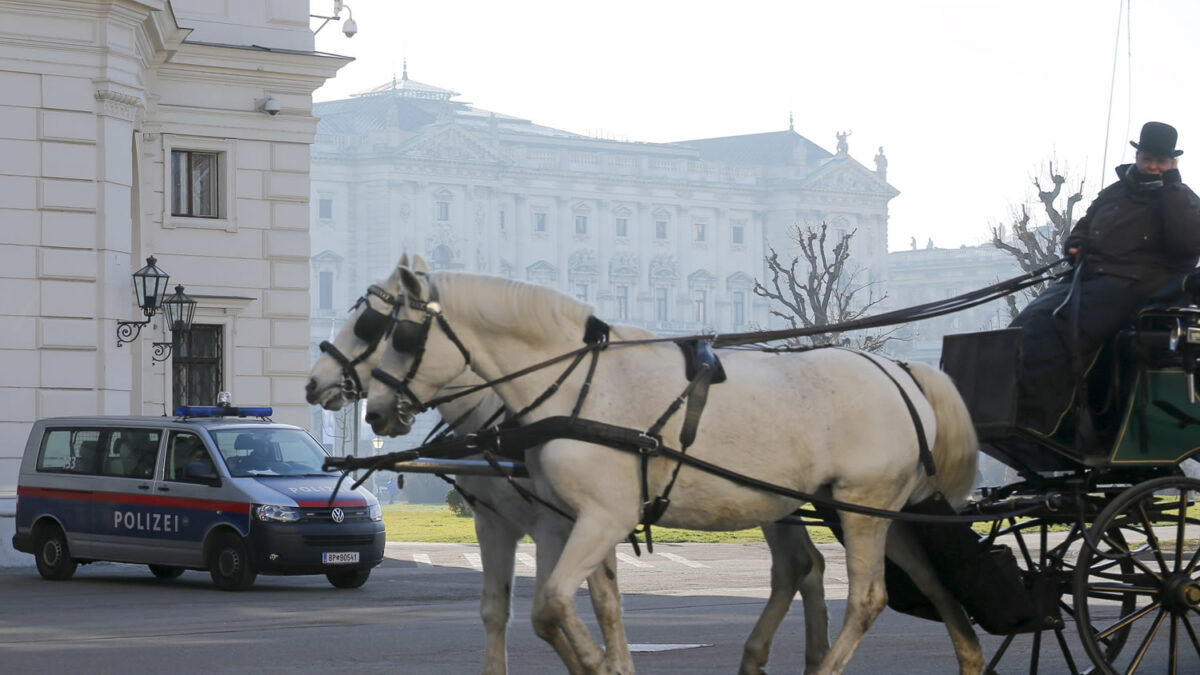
(818, 288)
(1035, 244)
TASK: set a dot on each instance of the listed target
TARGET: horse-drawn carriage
(1104, 527)
(1114, 543)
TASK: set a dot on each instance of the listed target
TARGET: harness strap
(923, 451)
(631, 440)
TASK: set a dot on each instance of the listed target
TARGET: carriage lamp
(149, 283)
(178, 310)
(377, 443)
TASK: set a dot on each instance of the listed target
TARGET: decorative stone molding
(623, 265)
(116, 104)
(702, 278)
(663, 267)
(582, 265)
(542, 273)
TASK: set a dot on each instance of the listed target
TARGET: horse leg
(590, 542)
(904, 550)
(796, 564)
(550, 533)
(498, 548)
(811, 573)
(865, 540)
(606, 603)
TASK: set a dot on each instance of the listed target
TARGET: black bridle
(410, 337)
(371, 327)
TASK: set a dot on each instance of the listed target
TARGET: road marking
(526, 559)
(643, 648)
(630, 560)
(682, 560)
(422, 559)
(474, 559)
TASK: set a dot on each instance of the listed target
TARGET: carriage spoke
(1191, 631)
(1128, 620)
(1066, 650)
(1129, 555)
(1117, 591)
(1145, 646)
(1037, 651)
(1151, 537)
(1019, 536)
(1191, 566)
(1179, 529)
(991, 666)
(1173, 649)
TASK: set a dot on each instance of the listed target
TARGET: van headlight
(375, 511)
(286, 514)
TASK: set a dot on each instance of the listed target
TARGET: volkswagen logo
(338, 515)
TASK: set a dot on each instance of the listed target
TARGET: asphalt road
(687, 607)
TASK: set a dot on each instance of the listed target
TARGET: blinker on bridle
(410, 337)
(371, 327)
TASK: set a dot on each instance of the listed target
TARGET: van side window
(70, 451)
(131, 453)
(185, 448)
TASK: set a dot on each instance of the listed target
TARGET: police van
(218, 488)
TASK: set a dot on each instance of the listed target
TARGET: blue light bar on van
(222, 411)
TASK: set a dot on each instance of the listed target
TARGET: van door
(190, 490)
(129, 522)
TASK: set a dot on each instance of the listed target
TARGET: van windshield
(269, 452)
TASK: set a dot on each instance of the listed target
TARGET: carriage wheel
(1143, 580)
(1048, 549)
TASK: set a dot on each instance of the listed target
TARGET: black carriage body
(1138, 387)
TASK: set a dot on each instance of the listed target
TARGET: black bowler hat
(1158, 139)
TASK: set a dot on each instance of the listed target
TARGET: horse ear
(410, 282)
(403, 262)
(418, 264)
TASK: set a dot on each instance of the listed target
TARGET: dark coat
(1145, 236)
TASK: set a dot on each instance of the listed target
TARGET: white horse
(827, 420)
(505, 517)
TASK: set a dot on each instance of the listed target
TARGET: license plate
(339, 558)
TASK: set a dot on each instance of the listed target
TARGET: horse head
(343, 371)
(421, 358)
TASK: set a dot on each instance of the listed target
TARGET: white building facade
(920, 276)
(131, 129)
(666, 236)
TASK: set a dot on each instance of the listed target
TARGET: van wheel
(349, 578)
(229, 563)
(165, 571)
(54, 561)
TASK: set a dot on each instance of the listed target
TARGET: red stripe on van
(124, 498)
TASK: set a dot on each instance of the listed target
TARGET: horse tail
(956, 448)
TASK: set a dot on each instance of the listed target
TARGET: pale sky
(967, 97)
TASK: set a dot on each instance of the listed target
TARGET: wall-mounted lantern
(178, 311)
(149, 284)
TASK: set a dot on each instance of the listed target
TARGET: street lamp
(178, 310)
(377, 443)
(148, 286)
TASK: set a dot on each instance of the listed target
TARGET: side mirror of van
(202, 472)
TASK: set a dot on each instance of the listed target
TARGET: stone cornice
(117, 104)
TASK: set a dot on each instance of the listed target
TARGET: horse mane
(524, 310)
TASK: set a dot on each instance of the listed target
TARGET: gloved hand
(1073, 250)
(1171, 177)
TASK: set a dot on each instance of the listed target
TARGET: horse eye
(406, 336)
(371, 325)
